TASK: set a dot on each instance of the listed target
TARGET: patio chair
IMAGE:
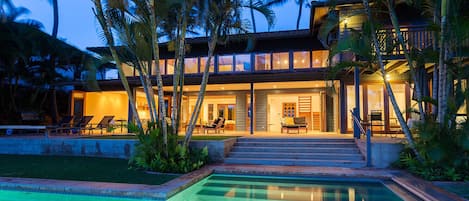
(105, 123)
(78, 124)
(217, 125)
(66, 121)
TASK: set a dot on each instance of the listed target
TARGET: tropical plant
(219, 18)
(149, 152)
(263, 7)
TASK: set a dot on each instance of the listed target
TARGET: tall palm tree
(219, 18)
(300, 12)
(263, 7)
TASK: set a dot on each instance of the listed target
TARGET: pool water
(14, 195)
(219, 187)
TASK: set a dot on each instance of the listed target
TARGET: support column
(343, 108)
(251, 110)
(356, 132)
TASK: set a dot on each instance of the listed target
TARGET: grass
(76, 168)
(132, 137)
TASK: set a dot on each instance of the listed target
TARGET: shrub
(149, 152)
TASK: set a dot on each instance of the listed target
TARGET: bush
(445, 152)
(149, 152)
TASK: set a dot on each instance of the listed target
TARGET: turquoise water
(13, 195)
(219, 187)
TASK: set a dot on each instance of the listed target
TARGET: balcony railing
(415, 38)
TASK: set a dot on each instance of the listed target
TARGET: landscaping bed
(77, 168)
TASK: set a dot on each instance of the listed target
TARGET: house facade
(258, 79)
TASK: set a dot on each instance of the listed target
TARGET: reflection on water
(238, 187)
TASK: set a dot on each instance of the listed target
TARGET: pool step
(321, 152)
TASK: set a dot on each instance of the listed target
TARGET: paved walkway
(424, 189)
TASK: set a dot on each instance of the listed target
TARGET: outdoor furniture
(294, 123)
(105, 123)
(376, 119)
(78, 124)
(217, 125)
(66, 121)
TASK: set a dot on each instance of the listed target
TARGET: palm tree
(300, 10)
(219, 18)
(264, 8)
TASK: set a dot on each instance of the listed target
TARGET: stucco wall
(383, 153)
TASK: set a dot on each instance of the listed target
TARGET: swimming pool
(221, 187)
(15, 195)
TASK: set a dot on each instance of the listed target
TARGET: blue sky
(78, 27)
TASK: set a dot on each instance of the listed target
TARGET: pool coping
(421, 188)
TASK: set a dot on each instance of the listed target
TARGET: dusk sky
(78, 26)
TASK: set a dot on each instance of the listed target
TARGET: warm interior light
(346, 20)
(302, 61)
(388, 77)
(222, 88)
(278, 62)
(275, 86)
(294, 61)
(316, 61)
(285, 61)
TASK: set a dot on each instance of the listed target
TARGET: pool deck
(423, 189)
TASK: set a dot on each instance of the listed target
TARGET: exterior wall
(99, 104)
(383, 154)
(106, 148)
(241, 112)
(260, 111)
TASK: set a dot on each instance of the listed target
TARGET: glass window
(320, 58)
(170, 66)
(190, 65)
(262, 61)
(351, 104)
(280, 61)
(301, 59)
(225, 63)
(153, 68)
(128, 70)
(203, 61)
(243, 62)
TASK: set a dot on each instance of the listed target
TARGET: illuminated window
(262, 61)
(301, 59)
(162, 67)
(203, 61)
(128, 70)
(170, 66)
(243, 62)
(190, 65)
(225, 63)
(280, 61)
(320, 58)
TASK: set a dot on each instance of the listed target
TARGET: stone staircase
(296, 151)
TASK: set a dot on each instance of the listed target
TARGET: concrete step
(310, 156)
(287, 140)
(295, 144)
(292, 149)
(297, 162)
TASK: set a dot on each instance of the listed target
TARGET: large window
(191, 66)
(262, 62)
(170, 66)
(320, 58)
(162, 67)
(351, 104)
(225, 63)
(243, 62)
(280, 61)
(203, 61)
(301, 59)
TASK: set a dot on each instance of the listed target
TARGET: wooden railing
(415, 38)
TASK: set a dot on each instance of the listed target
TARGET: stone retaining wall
(110, 148)
(383, 154)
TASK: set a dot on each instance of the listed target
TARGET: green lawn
(127, 137)
(76, 168)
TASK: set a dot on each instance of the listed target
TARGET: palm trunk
(159, 79)
(300, 10)
(435, 68)
(442, 79)
(55, 28)
(397, 28)
(110, 40)
(253, 19)
(203, 86)
(147, 89)
(398, 113)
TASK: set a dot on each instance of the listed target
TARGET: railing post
(368, 148)
(356, 129)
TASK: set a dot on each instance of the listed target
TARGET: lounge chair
(105, 123)
(79, 123)
(66, 121)
(217, 125)
(294, 123)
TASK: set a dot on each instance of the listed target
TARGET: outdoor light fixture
(345, 21)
